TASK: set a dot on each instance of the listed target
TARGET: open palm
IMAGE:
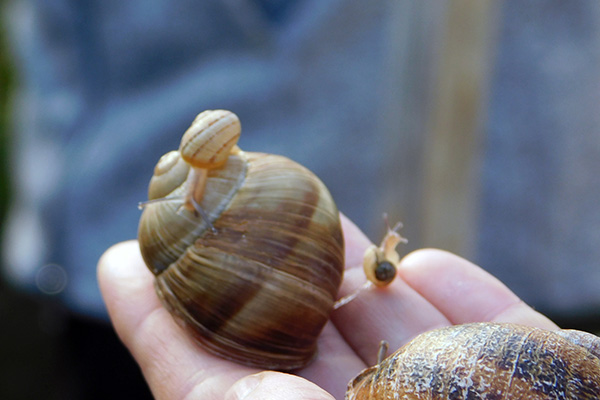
(435, 288)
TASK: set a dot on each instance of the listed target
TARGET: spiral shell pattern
(259, 288)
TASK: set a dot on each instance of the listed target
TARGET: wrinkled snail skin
(259, 287)
(486, 361)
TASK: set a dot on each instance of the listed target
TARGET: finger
(335, 364)
(122, 280)
(172, 364)
(395, 313)
(271, 385)
(464, 292)
(355, 243)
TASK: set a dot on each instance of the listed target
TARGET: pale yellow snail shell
(255, 277)
(486, 361)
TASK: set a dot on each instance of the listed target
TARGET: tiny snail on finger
(247, 248)
(487, 361)
(380, 264)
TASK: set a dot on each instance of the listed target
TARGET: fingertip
(275, 385)
(430, 270)
(121, 260)
(465, 292)
(418, 259)
(122, 269)
(126, 286)
(461, 290)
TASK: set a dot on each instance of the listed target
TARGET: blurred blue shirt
(107, 87)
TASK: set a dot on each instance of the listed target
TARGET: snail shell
(254, 278)
(486, 361)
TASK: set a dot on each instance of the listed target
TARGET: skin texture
(434, 288)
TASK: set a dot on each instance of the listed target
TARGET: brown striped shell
(255, 279)
(486, 361)
(211, 137)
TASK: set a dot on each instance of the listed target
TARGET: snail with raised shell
(247, 248)
(486, 361)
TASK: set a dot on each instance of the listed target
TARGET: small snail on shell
(247, 248)
(487, 361)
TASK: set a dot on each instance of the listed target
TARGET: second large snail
(247, 248)
(487, 361)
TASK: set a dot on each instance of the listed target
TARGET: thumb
(269, 385)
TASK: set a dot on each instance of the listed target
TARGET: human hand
(435, 289)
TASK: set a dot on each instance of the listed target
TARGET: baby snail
(246, 248)
(486, 361)
(379, 263)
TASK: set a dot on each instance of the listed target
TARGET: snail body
(486, 361)
(247, 248)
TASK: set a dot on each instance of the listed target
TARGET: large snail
(486, 361)
(247, 248)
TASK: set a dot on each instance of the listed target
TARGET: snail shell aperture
(486, 361)
(247, 248)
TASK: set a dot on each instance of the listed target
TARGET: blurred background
(476, 123)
